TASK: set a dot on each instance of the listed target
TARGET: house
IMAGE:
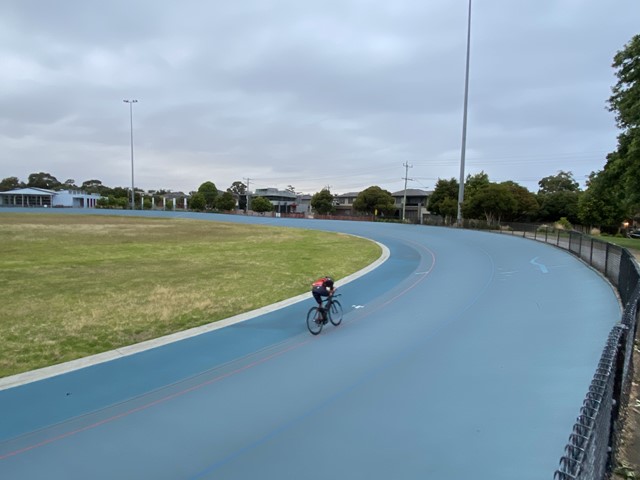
(303, 204)
(283, 201)
(41, 197)
(416, 206)
(344, 204)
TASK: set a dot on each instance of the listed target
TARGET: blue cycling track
(465, 354)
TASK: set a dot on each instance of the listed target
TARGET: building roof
(273, 192)
(29, 191)
(412, 192)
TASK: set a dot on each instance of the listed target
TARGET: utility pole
(406, 177)
(464, 121)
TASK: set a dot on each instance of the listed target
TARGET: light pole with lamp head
(131, 102)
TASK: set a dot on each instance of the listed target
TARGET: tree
(121, 192)
(493, 201)
(210, 192)
(625, 100)
(623, 165)
(444, 200)
(474, 183)
(239, 189)
(554, 206)
(558, 197)
(374, 199)
(261, 204)
(43, 180)
(197, 201)
(323, 202)
(562, 182)
(10, 183)
(528, 206)
(226, 202)
(602, 204)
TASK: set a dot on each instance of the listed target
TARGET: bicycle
(333, 310)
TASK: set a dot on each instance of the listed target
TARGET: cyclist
(323, 287)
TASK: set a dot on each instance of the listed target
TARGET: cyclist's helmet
(328, 282)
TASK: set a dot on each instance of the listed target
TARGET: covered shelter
(27, 197)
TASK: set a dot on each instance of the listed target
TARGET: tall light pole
(464, 120)
(131, 102)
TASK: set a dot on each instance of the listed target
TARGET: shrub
(563, 224)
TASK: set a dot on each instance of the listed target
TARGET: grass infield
(77, 285)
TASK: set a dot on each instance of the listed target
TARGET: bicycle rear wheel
(314, 321)
(335, 313)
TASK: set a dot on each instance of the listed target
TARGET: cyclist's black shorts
(319, 292)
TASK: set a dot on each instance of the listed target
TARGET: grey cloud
(311, 93)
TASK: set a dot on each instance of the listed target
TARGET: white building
(41, 197)
(75, 199)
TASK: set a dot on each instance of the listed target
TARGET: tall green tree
(602, 204)
(43, 180)
(561, 182)
(554, 206)
(226, 202)
(10, 183)
(323, 202)
(210, 192)
(473, 183)
(239, 189)
(375, 199)
(625, 103)
(528, 207)
(558, 197)
(613, 194)
(261, 204)
(92, 186)
(444, 200)
(625, 98)
(494, 202)
(197, 201)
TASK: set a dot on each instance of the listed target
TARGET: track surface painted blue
(469, 359)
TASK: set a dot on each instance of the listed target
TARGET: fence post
(606, 258)
(580, 247)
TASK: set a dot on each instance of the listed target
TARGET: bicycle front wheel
(335, 313)
(314, 321)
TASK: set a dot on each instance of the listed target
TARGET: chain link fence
(587, 455)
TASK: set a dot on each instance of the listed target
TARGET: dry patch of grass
(73, 286)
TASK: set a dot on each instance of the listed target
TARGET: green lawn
(631, 244)
(76, 285)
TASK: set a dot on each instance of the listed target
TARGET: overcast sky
(308, 93)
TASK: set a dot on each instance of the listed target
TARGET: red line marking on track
(151, 404)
